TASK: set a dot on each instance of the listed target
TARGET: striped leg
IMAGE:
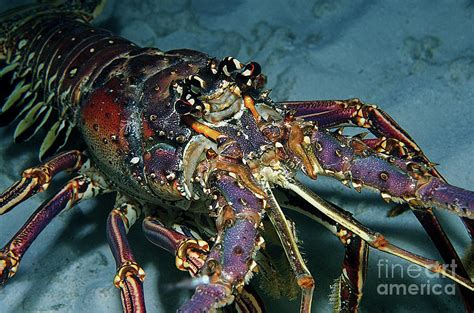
(372, 238)
(347, 290)
(191, 253)
(37, 179)
(76, 190)
(130, 276)
(288, 241)
(230, 262)
(334, 113)
(392, 140)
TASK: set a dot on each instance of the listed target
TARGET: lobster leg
(37, 179)
(76, 190)
(303, 276)
(348, 287)
(191, 253)
(446, 249)
(428, 219)
(374, 239)
(130, 276)
(347, 291)
(230, 262)
(332, 113)
(392, 140)
(433, 191)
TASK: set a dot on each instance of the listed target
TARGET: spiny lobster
(183, 137)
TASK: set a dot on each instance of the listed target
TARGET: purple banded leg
(37, 179)
(288, 241)
(130, 276)
(333, 113)
(354, 269)
(378, 173)
(372, 238)
(248, 301)
(347, 295)
(230, 263)
(191, 253)
(446, 249)
(76, 190)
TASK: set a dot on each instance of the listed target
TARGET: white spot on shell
(73, 72)
(171, 176)
(22, 43)
(135, 160)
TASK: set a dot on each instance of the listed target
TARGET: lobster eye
(190, 89)
(197, 81)
(183, 107)
(249, 74)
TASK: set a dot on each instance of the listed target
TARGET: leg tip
(8, 266)
(126, 271)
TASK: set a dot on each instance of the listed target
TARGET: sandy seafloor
(415, 59)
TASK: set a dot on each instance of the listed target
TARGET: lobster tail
(44, 61)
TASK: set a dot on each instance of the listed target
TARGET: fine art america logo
(427, 282)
